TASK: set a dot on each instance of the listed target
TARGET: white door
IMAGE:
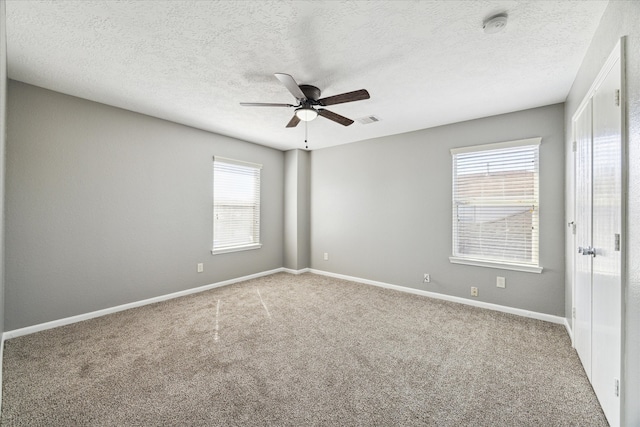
(606, 232)
(598, 266)
(582, 278)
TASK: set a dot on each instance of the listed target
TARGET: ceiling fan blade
(356, 95)
(335, 117)
(264, 104)
(293, 122)
(291, 85)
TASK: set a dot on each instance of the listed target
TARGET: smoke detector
(495, 23)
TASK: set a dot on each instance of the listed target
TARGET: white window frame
(493, 262)
(244, 246)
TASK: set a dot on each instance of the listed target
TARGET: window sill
(236, 249)
(496, 264)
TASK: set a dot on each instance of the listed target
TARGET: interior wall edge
(3, 136)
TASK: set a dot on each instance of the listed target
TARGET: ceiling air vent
(368, 119)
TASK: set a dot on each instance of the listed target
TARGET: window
(496, 205)
(236, 205)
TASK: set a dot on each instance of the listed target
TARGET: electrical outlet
(501, 282)
(326, 256)
(474, 291)
(427, 278)
(200, 267)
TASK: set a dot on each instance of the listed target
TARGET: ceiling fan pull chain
(306, 144)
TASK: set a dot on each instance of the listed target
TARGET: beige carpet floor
(295, 351)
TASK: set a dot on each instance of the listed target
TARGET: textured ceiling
(425, 63)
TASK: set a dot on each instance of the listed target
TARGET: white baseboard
(296, 272)
(489, 306)
(86, 316)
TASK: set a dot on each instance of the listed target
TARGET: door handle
(587, 251)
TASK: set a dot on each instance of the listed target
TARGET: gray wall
(3, 130)
(382, 210)
(290, 257)
(621, 18)
(106, 206)
(304, 209)
(296, 209)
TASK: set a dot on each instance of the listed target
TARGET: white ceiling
(425, 63)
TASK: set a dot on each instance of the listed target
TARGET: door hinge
(616, 387)
(572, 224)
(573, 312)
(617, 242)
(574, 147)
(617, 99)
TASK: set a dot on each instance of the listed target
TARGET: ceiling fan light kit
(306, 114)
(308, 97)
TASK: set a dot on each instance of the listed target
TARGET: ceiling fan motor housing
(311, 92)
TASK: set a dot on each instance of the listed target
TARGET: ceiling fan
(308, 98)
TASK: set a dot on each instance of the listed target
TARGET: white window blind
(236, 205)
(496, 203)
